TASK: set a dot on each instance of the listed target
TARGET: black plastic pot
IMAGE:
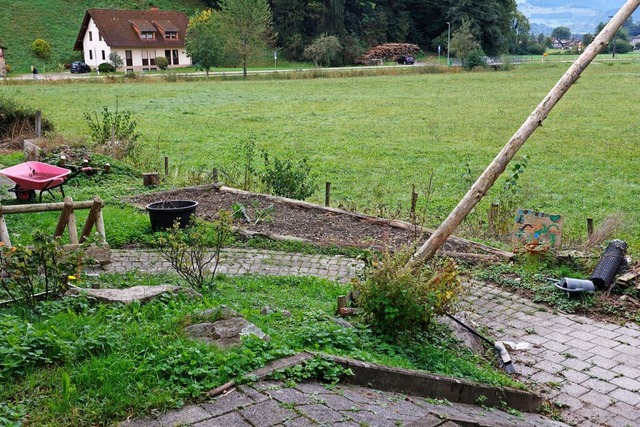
(164, 214)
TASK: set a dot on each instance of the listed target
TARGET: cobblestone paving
(591, 368)
(269, 403)
(243, 261)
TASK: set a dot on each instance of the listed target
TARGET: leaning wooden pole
(499, 164)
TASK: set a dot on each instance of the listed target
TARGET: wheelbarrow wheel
(26, 195)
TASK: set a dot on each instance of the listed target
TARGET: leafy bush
(475, 58)
(162, 62)
(396, 298)
(44, 267)
(41, 48)
(105, 67)
(195, 251)
(318, 368)
(284, 178)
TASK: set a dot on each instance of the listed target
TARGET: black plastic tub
(164, 214)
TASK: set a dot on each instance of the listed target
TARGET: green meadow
(375, 137)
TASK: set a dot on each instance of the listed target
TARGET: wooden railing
(67, 220)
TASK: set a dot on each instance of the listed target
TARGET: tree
(247, 28)
(463, 41)
(41, 48)
(116, 60)
(323, 50)
(204, 41)
(561, 33)
(490, 21)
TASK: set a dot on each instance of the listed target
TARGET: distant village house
(566, 44)
(137, 36)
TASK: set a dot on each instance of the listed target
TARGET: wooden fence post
(327, 194)
(92, 218)
(38, 123)
(4, 232)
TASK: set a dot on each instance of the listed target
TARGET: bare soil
(279, 218)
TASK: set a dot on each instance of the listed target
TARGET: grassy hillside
(58, 22)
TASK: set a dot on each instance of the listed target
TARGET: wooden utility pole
(499, 164)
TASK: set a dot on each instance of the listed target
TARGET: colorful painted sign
(536, 231)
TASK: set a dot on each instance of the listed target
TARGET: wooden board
(536, 231)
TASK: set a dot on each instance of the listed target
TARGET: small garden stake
(501, 351)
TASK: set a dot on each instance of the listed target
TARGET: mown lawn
(374, 137)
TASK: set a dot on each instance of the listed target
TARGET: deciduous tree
(205, 40)
(248, 28)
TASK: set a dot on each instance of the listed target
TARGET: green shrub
(162, 62)
(41, 48)
(115, 134)
(286, 179)
(105, 67)
(397, 298)
(475, 58)
(195, 251)
(43, 267)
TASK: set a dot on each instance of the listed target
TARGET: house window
(145, 58)
(104, 56)
(175, 57)
(152, 57)
(147, 35)
(128, 58)
(167, 54)
(90, 54)
(90, 36)
(172, 35)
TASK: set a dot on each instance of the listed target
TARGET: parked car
(80, 67)
(406, 60)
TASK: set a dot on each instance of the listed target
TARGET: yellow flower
(71, 277)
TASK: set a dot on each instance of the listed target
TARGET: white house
(138, 36)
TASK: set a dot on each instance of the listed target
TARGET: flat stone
(135, 293)
(187, 415)
(267, 413)
(320, 413)
(232, 419)
(289, 395)
(225, 333)
(227, 403)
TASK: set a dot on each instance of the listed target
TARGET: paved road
(591, 368)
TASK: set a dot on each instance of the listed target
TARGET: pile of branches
(388, 52)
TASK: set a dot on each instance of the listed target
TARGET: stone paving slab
(253, 405)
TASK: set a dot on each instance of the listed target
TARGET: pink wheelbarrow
(36, 176)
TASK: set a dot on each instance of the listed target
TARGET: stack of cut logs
(388, 52)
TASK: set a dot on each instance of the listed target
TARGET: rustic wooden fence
(67, 220)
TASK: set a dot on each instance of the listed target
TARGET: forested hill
(58, 22)
(357, 24)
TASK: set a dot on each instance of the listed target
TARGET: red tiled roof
(117, 29)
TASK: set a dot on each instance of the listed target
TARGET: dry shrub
(607, 229)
